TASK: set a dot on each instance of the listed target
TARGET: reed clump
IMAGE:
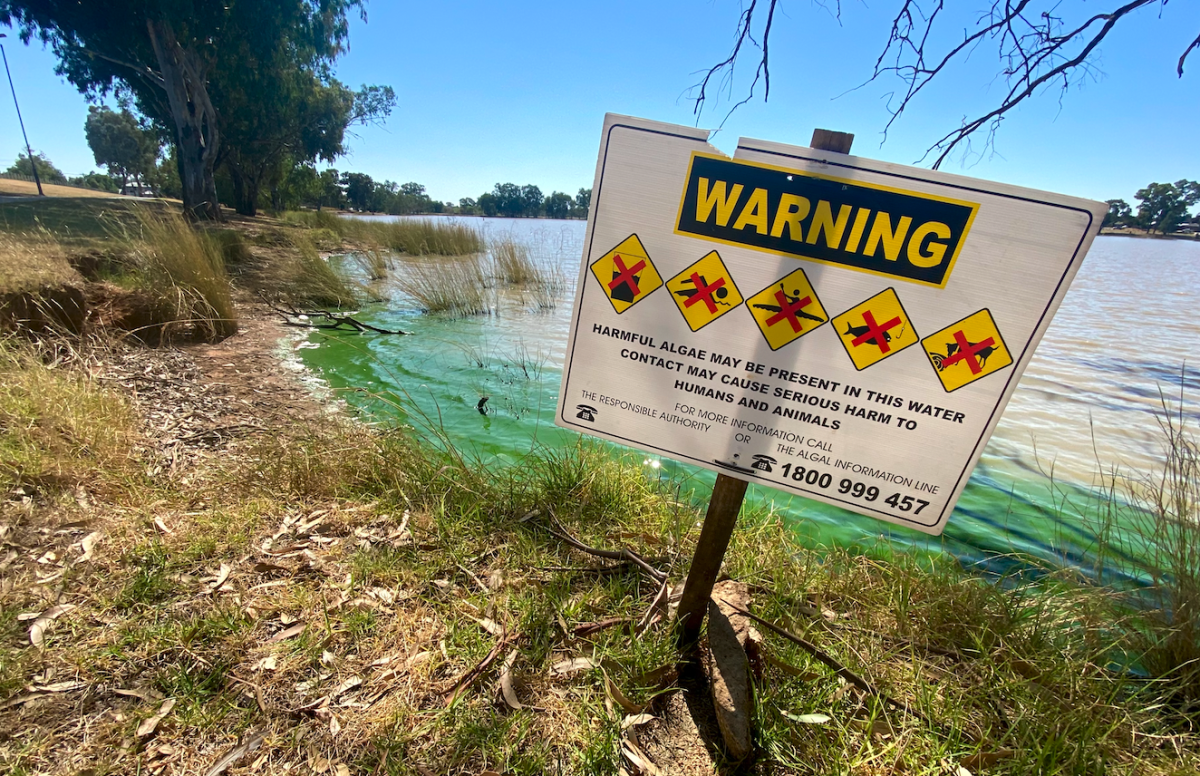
(457, 286)
(313, 280)
(409, 236)
(182, 271)
(1164, 516)
(512, 263)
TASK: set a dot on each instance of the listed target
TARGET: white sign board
(841, 328)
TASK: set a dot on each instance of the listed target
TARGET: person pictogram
(704, 291)
(967, 351)
(787, 309)
(790, 308)
(701, 291)
(626, 274)
(875, 329)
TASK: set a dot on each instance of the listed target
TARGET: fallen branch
(470, 677)
(299, 318)
(624, 553)
(841, 670)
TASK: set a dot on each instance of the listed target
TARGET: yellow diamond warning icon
(875, 329)
(787, 310)
(966, 351)
(704, 291)
(626, 274)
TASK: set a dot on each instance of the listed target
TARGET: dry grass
(59, 429)
(457, 286)
(513, 265)
(17, 188)
(311, 279)
(183, 269)
(32, 261)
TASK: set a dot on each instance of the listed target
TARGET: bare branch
(1036, 49)
(1191, 47)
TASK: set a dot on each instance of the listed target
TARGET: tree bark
(196, 134)
(245, 190)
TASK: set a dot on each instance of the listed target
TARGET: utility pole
(32, 162)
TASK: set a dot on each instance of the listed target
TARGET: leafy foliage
(46, 169)
(118, 143)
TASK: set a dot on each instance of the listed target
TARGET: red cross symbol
(967, 351)
(627, 275)
(788, 310)
(875, 332)
(705, 292)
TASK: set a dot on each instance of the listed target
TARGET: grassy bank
(340, 597)
(328, 588)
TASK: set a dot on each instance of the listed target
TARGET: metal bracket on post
(727, 496)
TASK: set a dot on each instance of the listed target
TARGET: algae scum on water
(1087, 403)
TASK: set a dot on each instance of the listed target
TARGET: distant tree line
(304, 186)
(1162, 207)
(513, 201)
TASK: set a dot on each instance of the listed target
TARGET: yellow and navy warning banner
(887, 231)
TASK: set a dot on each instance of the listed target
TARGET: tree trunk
(196, 135)
(245, 190)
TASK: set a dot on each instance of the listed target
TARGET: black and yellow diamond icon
(626, 274)
(787, 310)
(704, 291)
(967, 351)
(875, 329)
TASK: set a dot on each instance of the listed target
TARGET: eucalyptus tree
(165, 54)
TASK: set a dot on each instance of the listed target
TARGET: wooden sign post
(727, 496)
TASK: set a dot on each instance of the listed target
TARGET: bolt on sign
(936, 289)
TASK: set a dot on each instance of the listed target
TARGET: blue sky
(517, 92)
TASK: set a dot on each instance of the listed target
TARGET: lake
(1088, 403)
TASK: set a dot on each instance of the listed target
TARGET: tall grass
(457, 286)
(58, 427)
(414, 237)
(512, 262)
(374, 264)
(314, 280)
(1166, 528)
(183, 270)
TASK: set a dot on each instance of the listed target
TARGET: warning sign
(787, 310)
(828, 385)
(967, 351)
(704, 291)
(875, 329)
(626, 274)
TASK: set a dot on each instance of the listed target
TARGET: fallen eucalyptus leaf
(230, 758)
(574, 665)
(984, 759)
(506, 682)
(620, 698)
(148, 726)
(809, 719)
(37, 631)
(634, 720)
